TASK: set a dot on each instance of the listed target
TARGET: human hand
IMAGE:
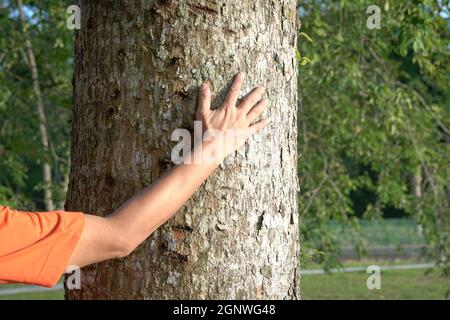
(228, 127)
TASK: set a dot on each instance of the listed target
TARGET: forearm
(146, 211)
(121, 232)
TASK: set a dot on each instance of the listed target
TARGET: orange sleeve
(35, 247)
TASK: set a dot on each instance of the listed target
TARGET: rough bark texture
(138, 65)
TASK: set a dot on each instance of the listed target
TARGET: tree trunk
(138, 65)
(417, 182)
(43, 133)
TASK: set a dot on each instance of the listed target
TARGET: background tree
(40, 110)
(374, 121)
(22, 151)
(137, 70)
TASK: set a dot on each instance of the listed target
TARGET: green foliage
(21, 151)
(375, 115)
(303, 60)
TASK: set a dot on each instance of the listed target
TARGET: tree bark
(43, 133)
(138, 65)
(417, 182)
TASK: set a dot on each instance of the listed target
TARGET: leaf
(304, 35)
(304, 61)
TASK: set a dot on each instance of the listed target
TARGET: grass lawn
(41, 295)
(395, 284)
(50, 295)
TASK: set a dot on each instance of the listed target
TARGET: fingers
(261, 124)
(257, 110)
(253, 97)
(233, 93)
(204, 101)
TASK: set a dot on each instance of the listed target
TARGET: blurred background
(374, 139)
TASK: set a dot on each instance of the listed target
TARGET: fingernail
(204, 87)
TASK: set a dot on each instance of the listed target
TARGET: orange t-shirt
(35, 247)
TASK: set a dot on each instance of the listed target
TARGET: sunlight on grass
(395, 284)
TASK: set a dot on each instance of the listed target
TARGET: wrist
(212, 151)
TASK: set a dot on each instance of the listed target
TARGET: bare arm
(120, 233)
